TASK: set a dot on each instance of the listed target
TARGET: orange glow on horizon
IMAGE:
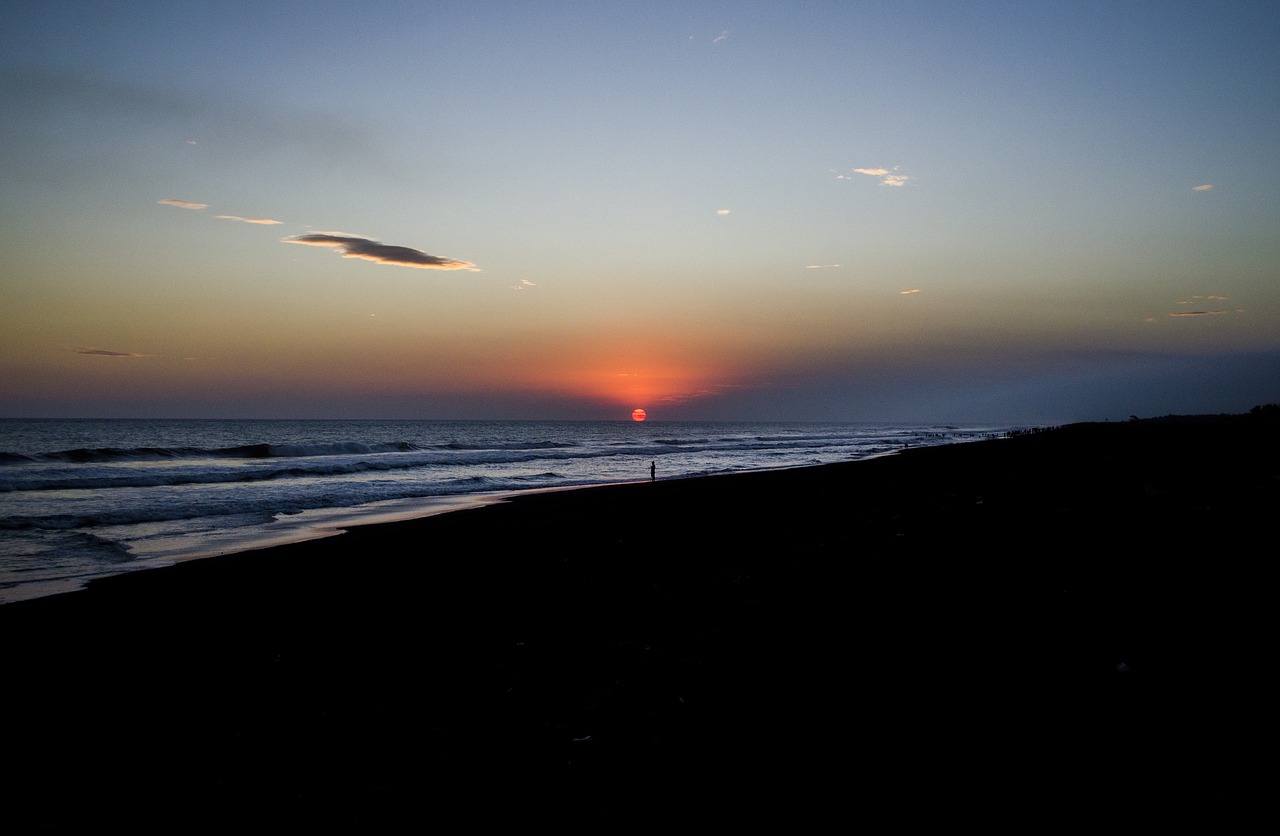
(625, 382)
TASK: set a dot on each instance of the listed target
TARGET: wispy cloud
(102, 352)
(265, 221)
(353, 246)
(187, 204)
(525, 284)
(820, 266)
(350, 246)
(1197, 300)
(889, 176)
(723, 211)
(1202, 188)
(183, 204)
(723, 36)
(908, 292)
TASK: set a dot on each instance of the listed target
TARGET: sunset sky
(933, 211)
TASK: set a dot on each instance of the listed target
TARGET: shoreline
(320, 523)
(811, 638)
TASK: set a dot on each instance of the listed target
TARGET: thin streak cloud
(351, 246)
(183, 204)
(264, 221)
(102, 352)
(1203, 188)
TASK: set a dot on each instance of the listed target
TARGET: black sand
(1072, 625)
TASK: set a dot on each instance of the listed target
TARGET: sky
(1036, 212)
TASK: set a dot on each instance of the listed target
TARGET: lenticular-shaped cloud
(352, 246)
(183, 204)
(266, 221)
(1202, 188)
(874, 172)
(102, 352)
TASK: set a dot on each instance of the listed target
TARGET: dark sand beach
(1074, 622)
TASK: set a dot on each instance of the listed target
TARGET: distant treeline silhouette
(1266, 412)
(1263, 412)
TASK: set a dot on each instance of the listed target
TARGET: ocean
(84, 499)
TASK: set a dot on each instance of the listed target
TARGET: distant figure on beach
(653, 471)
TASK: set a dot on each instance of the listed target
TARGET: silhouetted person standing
(653, 471)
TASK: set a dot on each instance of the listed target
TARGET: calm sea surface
(81, 499)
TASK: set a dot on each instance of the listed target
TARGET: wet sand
(1072, 622)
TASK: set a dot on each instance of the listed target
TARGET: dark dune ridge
(1074, 621)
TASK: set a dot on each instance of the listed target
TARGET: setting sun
(638, 415)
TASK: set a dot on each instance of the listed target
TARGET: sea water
(82, 499)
